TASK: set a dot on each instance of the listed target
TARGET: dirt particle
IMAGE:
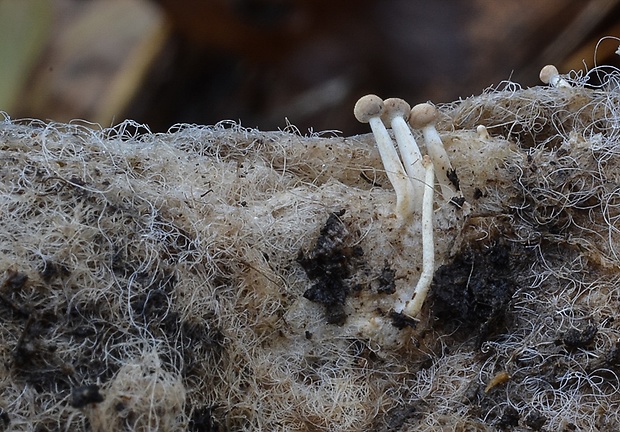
(510, 417)
(575, 338)
(395, 419)
(4, 417)
(400, 321)
(454, 179)
(387, 278)
(203, 420)
(535, 420)
(84, 395)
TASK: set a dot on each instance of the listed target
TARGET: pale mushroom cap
(547, 73)
(423, 115)
(394, 107)
(367, 107)
(483, 132)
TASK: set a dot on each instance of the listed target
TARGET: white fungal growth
(368, 109)
(550, 75)
(395, 112)
(410, 303)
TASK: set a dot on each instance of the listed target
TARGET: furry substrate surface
(222, 279)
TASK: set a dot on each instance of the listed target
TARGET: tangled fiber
(221, 278)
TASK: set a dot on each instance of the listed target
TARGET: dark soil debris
(458, 202)
(52, 270)
(400, 321)
(475, 289)
(387, 278)
(510, 417)
(575, 338)
(14, 280)
(535, 420)
(473, 393)
(329, 265)
(203, 420)
(84, 395)
(395, 419)
(612, 358)
(454, 179)
(4, 418)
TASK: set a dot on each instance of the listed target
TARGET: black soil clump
(473, 292)
(329, 265)
(574, 338)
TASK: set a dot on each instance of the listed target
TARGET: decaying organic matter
(156, 281)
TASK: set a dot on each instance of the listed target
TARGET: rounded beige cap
(422, 115)
(394, 107)
(547, 73)
(367, 107)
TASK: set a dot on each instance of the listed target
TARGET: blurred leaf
(24, 26)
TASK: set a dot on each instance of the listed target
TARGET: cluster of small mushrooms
(413, 179)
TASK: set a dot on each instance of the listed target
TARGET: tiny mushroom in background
(368, 109)
(483, 132)
(394, 115)
(424, 116)
(550, 75)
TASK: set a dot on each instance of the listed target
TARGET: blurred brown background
(264, 61)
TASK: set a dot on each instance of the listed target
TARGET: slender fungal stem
(413, 306)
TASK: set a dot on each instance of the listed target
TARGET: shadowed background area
(268, 63)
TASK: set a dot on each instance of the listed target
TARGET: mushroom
(368, 109)
(409, 303)
(395, 112)
(483, 132)
(424, 116)
(550, 75)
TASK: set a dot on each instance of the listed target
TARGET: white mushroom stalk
(410, 303)
(368, 109)
(394, 115)
(424, 116)
(550, 75)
